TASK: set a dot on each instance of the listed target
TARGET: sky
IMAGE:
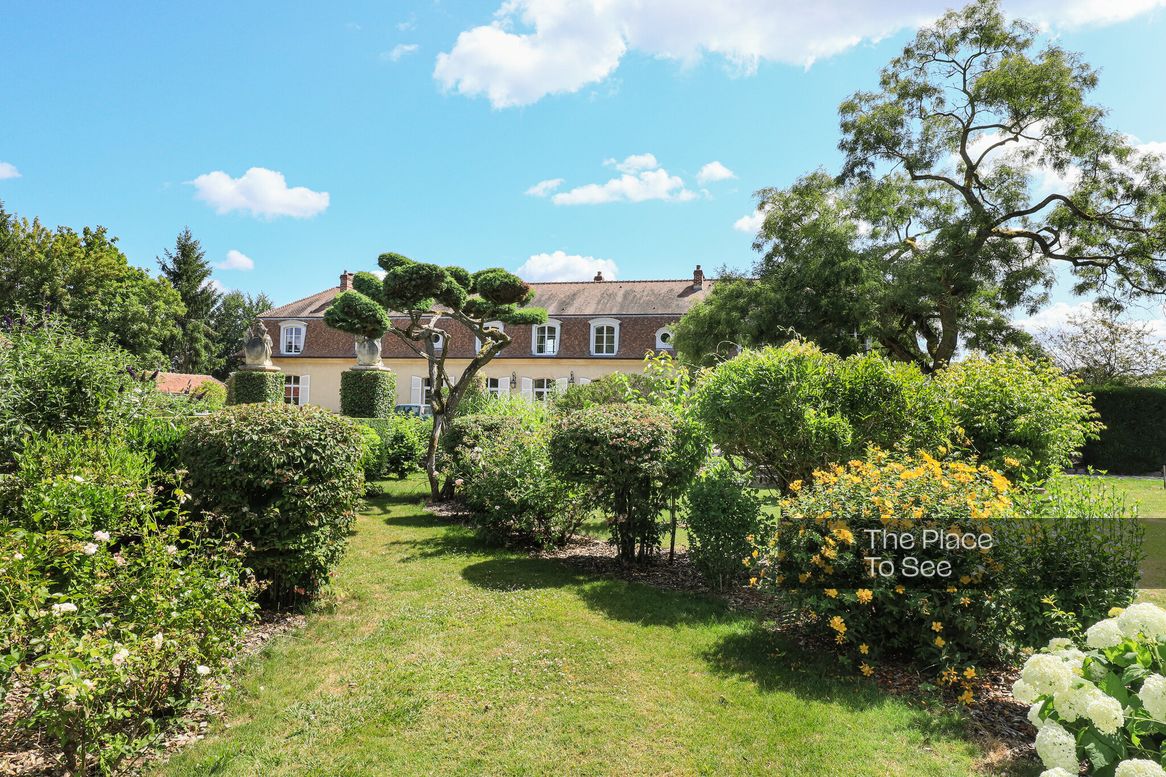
(297, 140)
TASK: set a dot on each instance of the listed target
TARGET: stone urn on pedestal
(368, 353)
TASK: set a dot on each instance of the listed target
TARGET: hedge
(247, 386)
(367, 393)
(1134, 439)
(404, 443)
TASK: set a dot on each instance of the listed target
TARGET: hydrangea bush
(1104, 704)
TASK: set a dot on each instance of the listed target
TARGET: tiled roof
(180, 383)
(588, 298)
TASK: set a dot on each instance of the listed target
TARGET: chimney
(698, 278)
(598, 277)
(345, 280)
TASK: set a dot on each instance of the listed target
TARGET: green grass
(442, 656)
(1150, 497)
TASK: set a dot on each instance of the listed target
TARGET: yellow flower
(831, 592)
(795, 486)
(864, 595)
(1116, 611)
(803, 577)
(864, 648)
(899, 589)
(939, 642)
(866, 669)
(1011, 462)
(964, 579)
(966, 697)
(752, 581)
(936, 626)
(970, 673)
(755, 553)
(965, 601)
(844, 534)
(838, 624)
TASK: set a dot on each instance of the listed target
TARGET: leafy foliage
(1103, 349)
(618, 453)
(248, 386)
(723, 514)
(285, 479)
(367, 393)
(193, 348)
(230, 320)
(353, 312)
(1133, 442)
(404, 441)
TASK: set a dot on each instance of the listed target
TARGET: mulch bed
(24, 755)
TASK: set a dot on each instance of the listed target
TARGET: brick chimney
(598, 277)
(345, 280)
(698, 278)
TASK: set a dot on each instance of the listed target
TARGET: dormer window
(604, 336)
(488, 325)
(545, 338)
(438, 342)
(291, 337)
(664, 339)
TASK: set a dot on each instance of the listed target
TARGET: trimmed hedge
(246, 387)
(1134, 439)
(367, 393)
(285, 479)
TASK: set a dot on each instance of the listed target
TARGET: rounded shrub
(287, 480)
(254, 386)
(357, 314)
(211, 395)
(404, 442)
(367, 393)
(372, 456)
(619, 453)
(1019, 416)
(723, 514)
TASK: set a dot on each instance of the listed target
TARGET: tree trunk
(672, 542)
(431, 456)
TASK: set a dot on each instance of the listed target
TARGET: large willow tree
(411, 303)
(975, 170)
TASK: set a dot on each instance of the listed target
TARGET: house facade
(594, 328)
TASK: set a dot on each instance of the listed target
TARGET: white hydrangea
(1103, 634)
(1105, 712)
(1058, 772)
(1023, 692)
(63, 607)
(1071, 703)
(1034, 716)
(1045, 673)
(1153, 696)
(1139, 767)
(1144, 618)
(1058, 644)
(1057, 747)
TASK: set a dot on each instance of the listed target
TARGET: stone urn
(257, 349)
(368, 353)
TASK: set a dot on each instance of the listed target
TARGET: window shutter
(503, 387)
(305, 389)
(561, 384)
(528, 388)
(415, 391)
(584, 381)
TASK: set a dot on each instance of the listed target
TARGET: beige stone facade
(595, 329)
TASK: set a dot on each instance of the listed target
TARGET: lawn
(1150, 497)
(441, 656)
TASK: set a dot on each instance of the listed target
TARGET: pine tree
(235, 313)
(194, 348)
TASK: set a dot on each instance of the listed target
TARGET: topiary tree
(621, 453)
(246, 387)
(421, 295)
(367, 393)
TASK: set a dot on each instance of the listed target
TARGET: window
(545, 338)
(291, 337)
(295, 389)
(664, 339)
(438, 342)
(420, 390)
(498, 387)
(604, 336)
(544, 388)
(488, 325)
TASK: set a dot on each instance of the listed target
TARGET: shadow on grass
(445, 544)
(511, 573)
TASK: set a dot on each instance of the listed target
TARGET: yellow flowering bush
(894, 557)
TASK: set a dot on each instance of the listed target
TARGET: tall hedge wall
(246, 387)
(367, 393)
(1134, 439)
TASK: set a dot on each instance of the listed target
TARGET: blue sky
(425, 124)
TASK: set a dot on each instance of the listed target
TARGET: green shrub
(1020, 416)
(251, 386)
(53, 381)
(1075, 542)
(372, 456)
(722, 514)
(1133, 441)
(503, 473)
(285, 479)
(619, 454)
(793, 409)
(210, 396)
(367, 393)
(404, 442)
(160, 438)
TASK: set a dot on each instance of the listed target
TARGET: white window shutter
(305, 389)
(561, 384)
(503, 387)
(584, 381)
(415, 391)
(528, 388)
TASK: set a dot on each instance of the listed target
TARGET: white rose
(1103, 634)
(89, 549)
(1057, 747)
(101, 536)
(63, 607)
(1139, 767)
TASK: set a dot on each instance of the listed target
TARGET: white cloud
(560, 266)
(1055, 316)
(259, 191)
(714, 171)
(543, 188)
(8, 170)
(535, 48)
(217, 285)
(750, 223)
(642, 179)
(397, 52)
(236, 260)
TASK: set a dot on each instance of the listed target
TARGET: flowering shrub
(722, 514)
(1105, 704)
(285, 479)
(819, 551)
